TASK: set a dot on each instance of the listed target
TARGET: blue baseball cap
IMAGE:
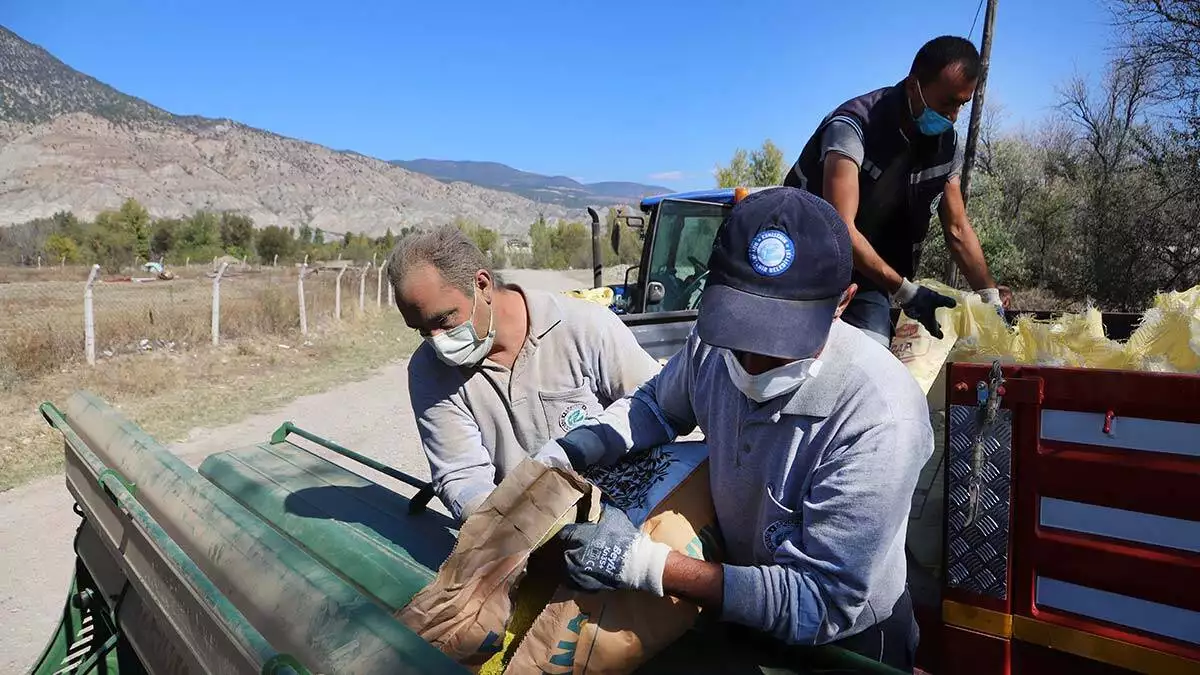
(780, 263)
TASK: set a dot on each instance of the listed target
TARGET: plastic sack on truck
(536, 623)
(601, 296)
(1168, 339)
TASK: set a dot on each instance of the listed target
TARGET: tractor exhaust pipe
(597, 259)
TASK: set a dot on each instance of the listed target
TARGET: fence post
(362, 288)
(216, 304)
(187, 263)
(275, 262)
(300, 290)
(391, 295)
(39, 261)
(89, 318)
(379, 287)
(337, 294)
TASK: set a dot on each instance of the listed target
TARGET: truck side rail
(243, 640)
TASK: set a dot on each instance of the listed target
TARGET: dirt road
(37, 523)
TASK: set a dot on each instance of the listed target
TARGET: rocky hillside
(71, 142)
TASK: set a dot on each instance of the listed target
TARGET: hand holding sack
(922, 303)
(654, 501)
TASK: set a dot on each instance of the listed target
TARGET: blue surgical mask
(929, 122)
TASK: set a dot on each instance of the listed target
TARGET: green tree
(572, 245)
(61, 247)
(305, 235)
(541, 244)
(761, 168)
(319, 237)
(134, 218)
(737, 173)
(766, 165)
(274, 240)
(112, 246)
(164, 236)
(202, 230)
(237, 231)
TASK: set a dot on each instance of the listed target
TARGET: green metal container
(297, 604)
(357, 528)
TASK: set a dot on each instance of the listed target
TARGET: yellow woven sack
(600, 296)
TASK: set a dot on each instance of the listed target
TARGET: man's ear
(847, 296)
(485, 284)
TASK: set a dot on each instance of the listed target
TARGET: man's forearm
(967, 253)
(698, 581)
(872, 265)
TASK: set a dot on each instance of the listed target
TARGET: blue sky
(645, 91)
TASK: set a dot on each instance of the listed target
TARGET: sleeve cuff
(743, 596)
(906, 293)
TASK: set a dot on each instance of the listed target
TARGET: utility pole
(985, 57)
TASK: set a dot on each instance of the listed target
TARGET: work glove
(921, 303)
(612, 554)
(992, 297)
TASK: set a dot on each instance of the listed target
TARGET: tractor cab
(678, 239)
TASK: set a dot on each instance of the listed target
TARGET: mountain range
(70, 142)
(543, 189)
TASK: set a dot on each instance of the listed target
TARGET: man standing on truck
(887, 160)
(816, 436)
(502, 369)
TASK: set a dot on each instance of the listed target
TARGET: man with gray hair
(502, 370)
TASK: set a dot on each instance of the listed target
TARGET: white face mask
(775, 382)
(461, 346)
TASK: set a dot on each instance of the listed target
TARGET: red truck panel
(1104, 523)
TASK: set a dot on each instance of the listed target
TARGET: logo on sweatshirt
(779, 532)
(572, 416)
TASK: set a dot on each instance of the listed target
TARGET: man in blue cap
(816, 436)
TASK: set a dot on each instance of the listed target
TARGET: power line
(975, 20)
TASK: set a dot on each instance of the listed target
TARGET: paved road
(37, 523)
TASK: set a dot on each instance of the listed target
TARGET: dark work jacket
(900, 183)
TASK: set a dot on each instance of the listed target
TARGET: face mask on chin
(773, 383)
(930, 122)
(461, 346)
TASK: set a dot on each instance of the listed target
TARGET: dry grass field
(154, 354)
(42, 312)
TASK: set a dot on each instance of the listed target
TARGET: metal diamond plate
(977, 555)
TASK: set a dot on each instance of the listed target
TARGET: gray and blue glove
(921, 303)
(612, 554)
(992, 297)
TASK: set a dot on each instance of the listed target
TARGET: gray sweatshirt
(476, 424)
(812, 490)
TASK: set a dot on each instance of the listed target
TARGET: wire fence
(58, 316)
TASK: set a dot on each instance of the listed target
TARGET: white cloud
(667, 175)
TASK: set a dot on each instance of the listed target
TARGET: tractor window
(683, 238)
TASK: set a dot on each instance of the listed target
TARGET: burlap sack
(612, 633)
(468, 610)
(464, 611)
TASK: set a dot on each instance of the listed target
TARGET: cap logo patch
(771, 253)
